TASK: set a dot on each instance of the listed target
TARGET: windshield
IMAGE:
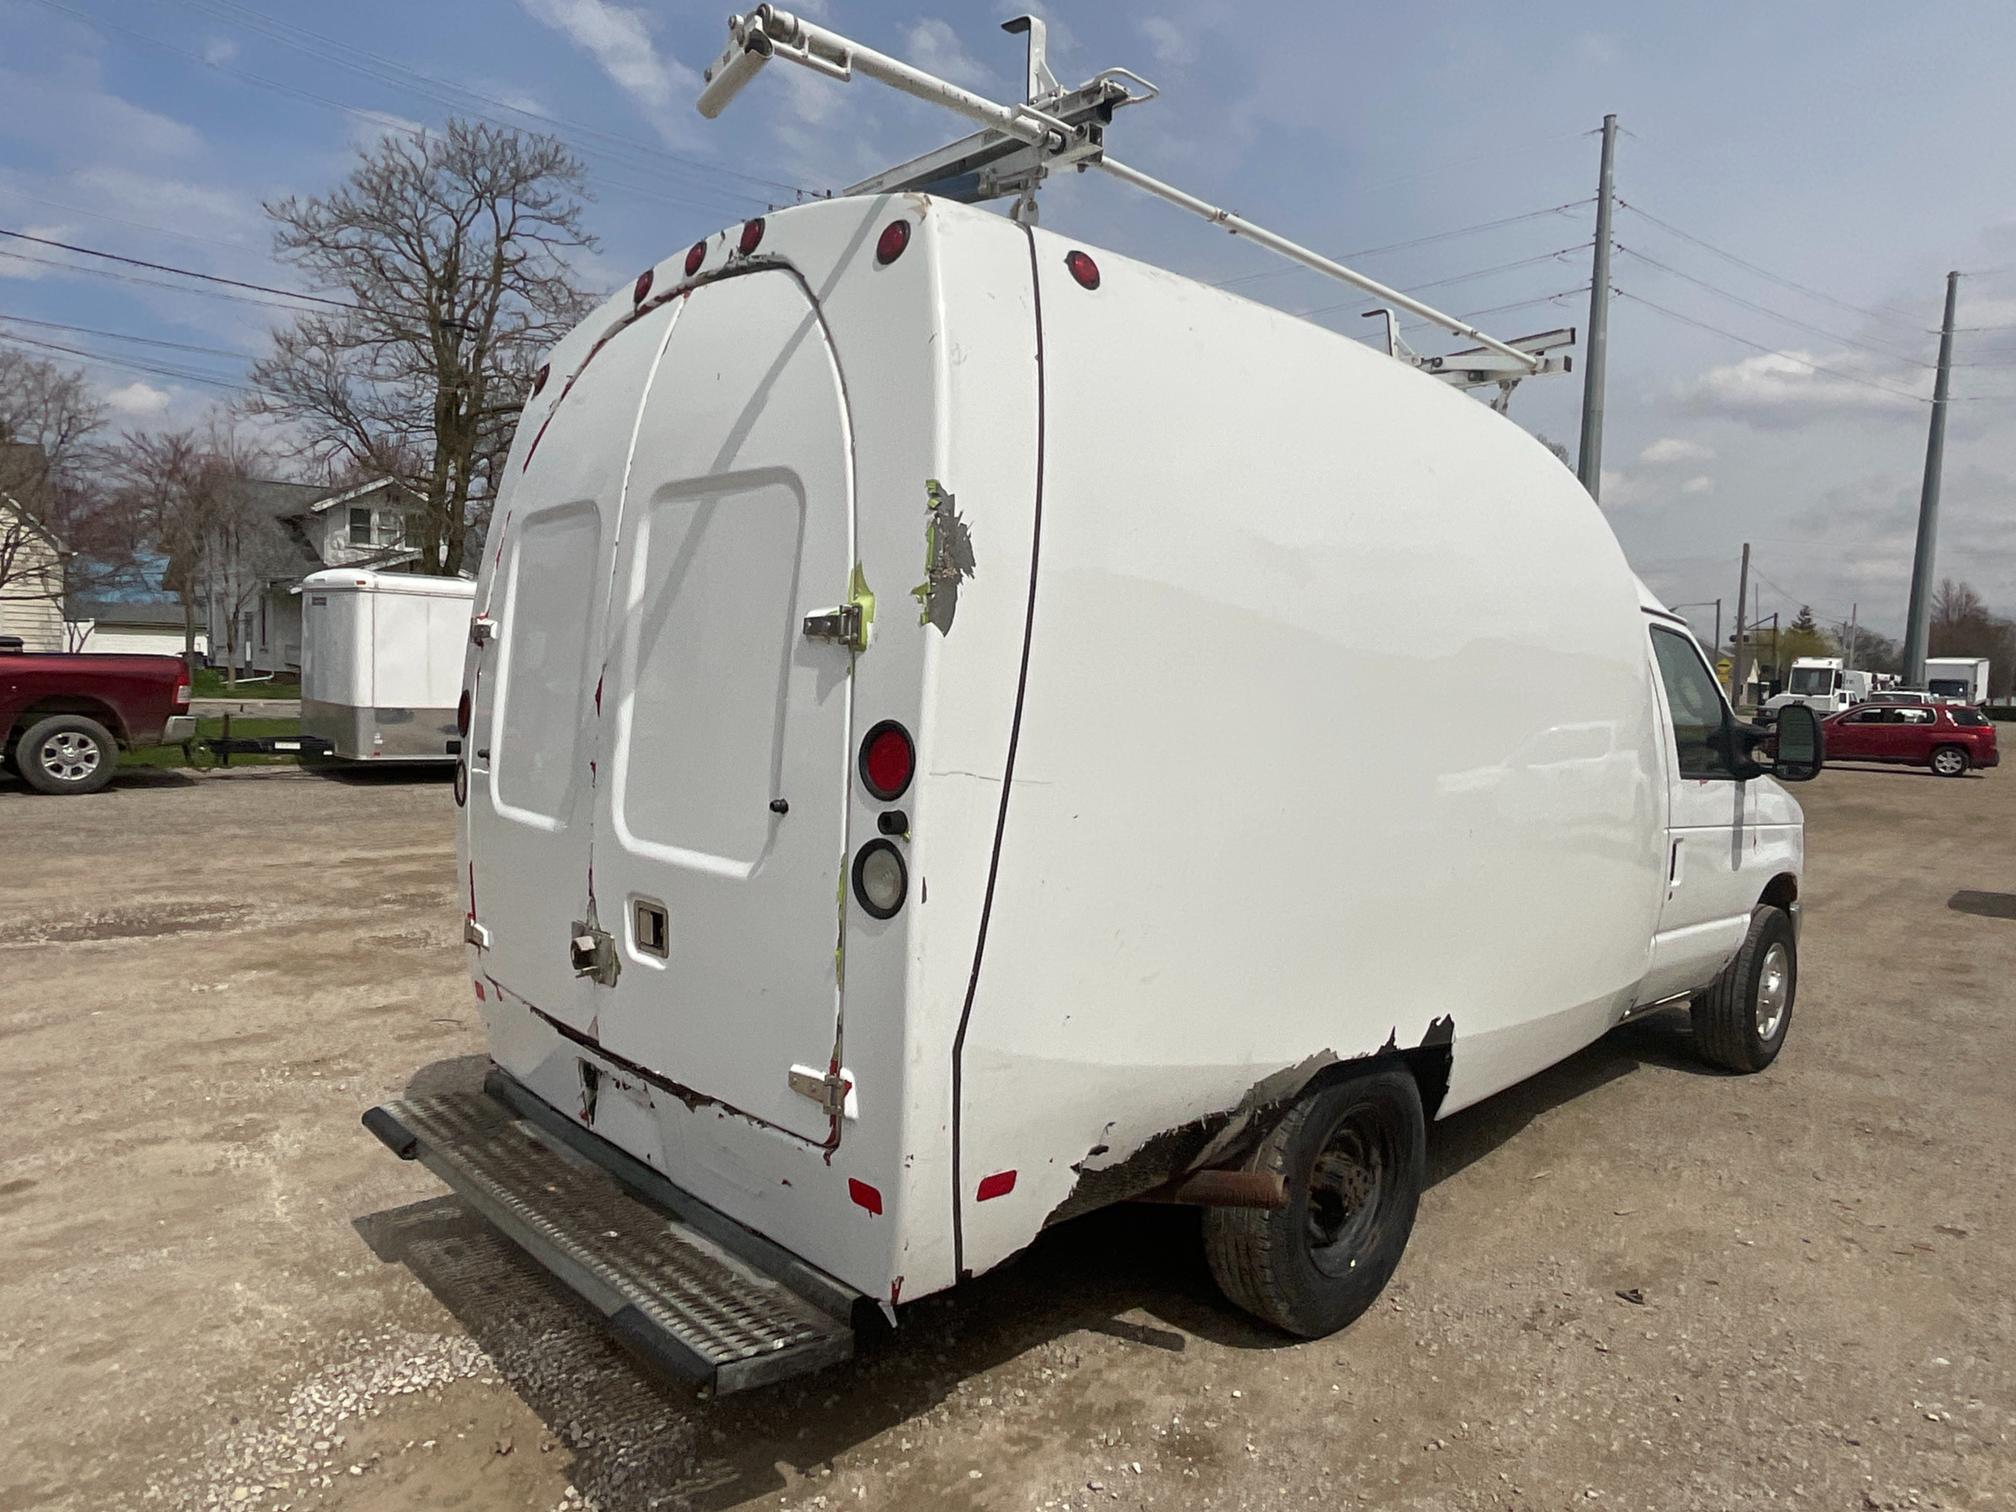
(1811, 680)
(1950, 687)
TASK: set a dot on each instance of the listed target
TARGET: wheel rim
(69, 757)
(1348, 1186)
(1948, 762)
(1774, 990)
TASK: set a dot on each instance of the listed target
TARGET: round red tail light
(462, 791)
(539, 378)
(462, 714)
(695, 255)
(641, 288)
(888, 760)
(1083, 269)
(890, 244)
(752, 235)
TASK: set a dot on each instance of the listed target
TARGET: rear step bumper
(706, 1298)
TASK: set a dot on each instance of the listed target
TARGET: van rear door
(721, 828)
(529, 823)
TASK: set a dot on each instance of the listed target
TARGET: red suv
(1949, 738)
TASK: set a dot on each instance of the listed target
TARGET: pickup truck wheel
(66, 754)
(1354, 1155)
(1740, 1023)
(1950, 761)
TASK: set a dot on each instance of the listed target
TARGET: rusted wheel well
(1429, 1063)
(1782, 891)
(68, 703)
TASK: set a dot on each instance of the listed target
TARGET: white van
(381, 663)
(954, 745)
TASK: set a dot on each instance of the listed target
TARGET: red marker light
(641, 288)
(1083, 269)
(462, 713)
(864, 1196)
(890, 244)
(539, 378)
(888, 760)
(1000, 1184)
(752, 236)
(695, 255)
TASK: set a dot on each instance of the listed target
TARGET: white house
(252, 613)
(31, 579)
(151, 629)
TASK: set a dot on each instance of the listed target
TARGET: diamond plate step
(671, 1283)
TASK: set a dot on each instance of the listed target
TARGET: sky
(1796, 180)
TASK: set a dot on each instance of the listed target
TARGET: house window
(391, 527)
(360, 526)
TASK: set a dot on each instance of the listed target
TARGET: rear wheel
(67, 753)
(1949, 761)
(1354, 1155)
(1740, 1023)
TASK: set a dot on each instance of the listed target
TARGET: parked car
(1951, 739)
(1239, 949)
(67, 717)
(1900, 696)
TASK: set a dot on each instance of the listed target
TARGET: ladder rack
(1018, 145)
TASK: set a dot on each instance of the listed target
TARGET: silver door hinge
(842, 624)
(829, 1089)
(481, 629)
(475, 934)
(592, 951)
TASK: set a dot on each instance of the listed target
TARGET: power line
(148, 283)
(1749, 304)
(1773, 351)
(1499, 309)
(137, 262)
(1418, 241)
(1504, 267)
(1778, 278)
(129, 364)
(173, 346)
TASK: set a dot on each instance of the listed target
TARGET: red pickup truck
(66, 718)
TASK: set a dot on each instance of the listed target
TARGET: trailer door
(722, 816)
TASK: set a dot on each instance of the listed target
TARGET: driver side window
(1695, 702)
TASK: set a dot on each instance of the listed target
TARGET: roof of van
(1648, 600)
(364, 580)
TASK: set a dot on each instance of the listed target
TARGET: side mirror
(1798, 756)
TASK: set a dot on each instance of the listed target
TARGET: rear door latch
(593, 952)
(481, 628)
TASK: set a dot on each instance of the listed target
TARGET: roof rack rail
(1018, 145)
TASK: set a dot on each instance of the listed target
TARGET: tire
(1315, 1265)
(1741, 1022)
(1950, 761)
(67, 754)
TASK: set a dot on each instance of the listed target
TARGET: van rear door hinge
(842, 624)
(481, 628)
(828, 1089)
(592, 950)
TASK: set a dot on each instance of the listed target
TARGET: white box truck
(1823, 684)
(381, 663)
(947, 752)
(1957, 679)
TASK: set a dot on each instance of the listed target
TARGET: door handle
(1673, 866)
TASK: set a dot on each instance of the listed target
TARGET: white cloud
(1781, 391)
(619, 39)
(1670, 451)
(219, 50)
(67, 115)
(1170, 44)
(1698, 485)
(932, 45)
(137, 401)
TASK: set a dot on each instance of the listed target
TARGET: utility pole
(1918, 620)
(1596, 355)
(1854, 610)
(1742, 596)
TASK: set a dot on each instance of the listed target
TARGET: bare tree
(451, 248)
(47, 419)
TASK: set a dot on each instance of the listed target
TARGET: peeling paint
(948, 558)
(862, 597)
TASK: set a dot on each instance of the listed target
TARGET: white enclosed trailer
(381, 663)
(947, 752)
(1957, 679)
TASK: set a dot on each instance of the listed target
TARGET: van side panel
(1338, 734)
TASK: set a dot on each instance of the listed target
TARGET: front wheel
(1740, 1023)
(1950, 761)
(1355, 1156)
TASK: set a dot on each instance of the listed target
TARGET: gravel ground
(1633, 1284)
